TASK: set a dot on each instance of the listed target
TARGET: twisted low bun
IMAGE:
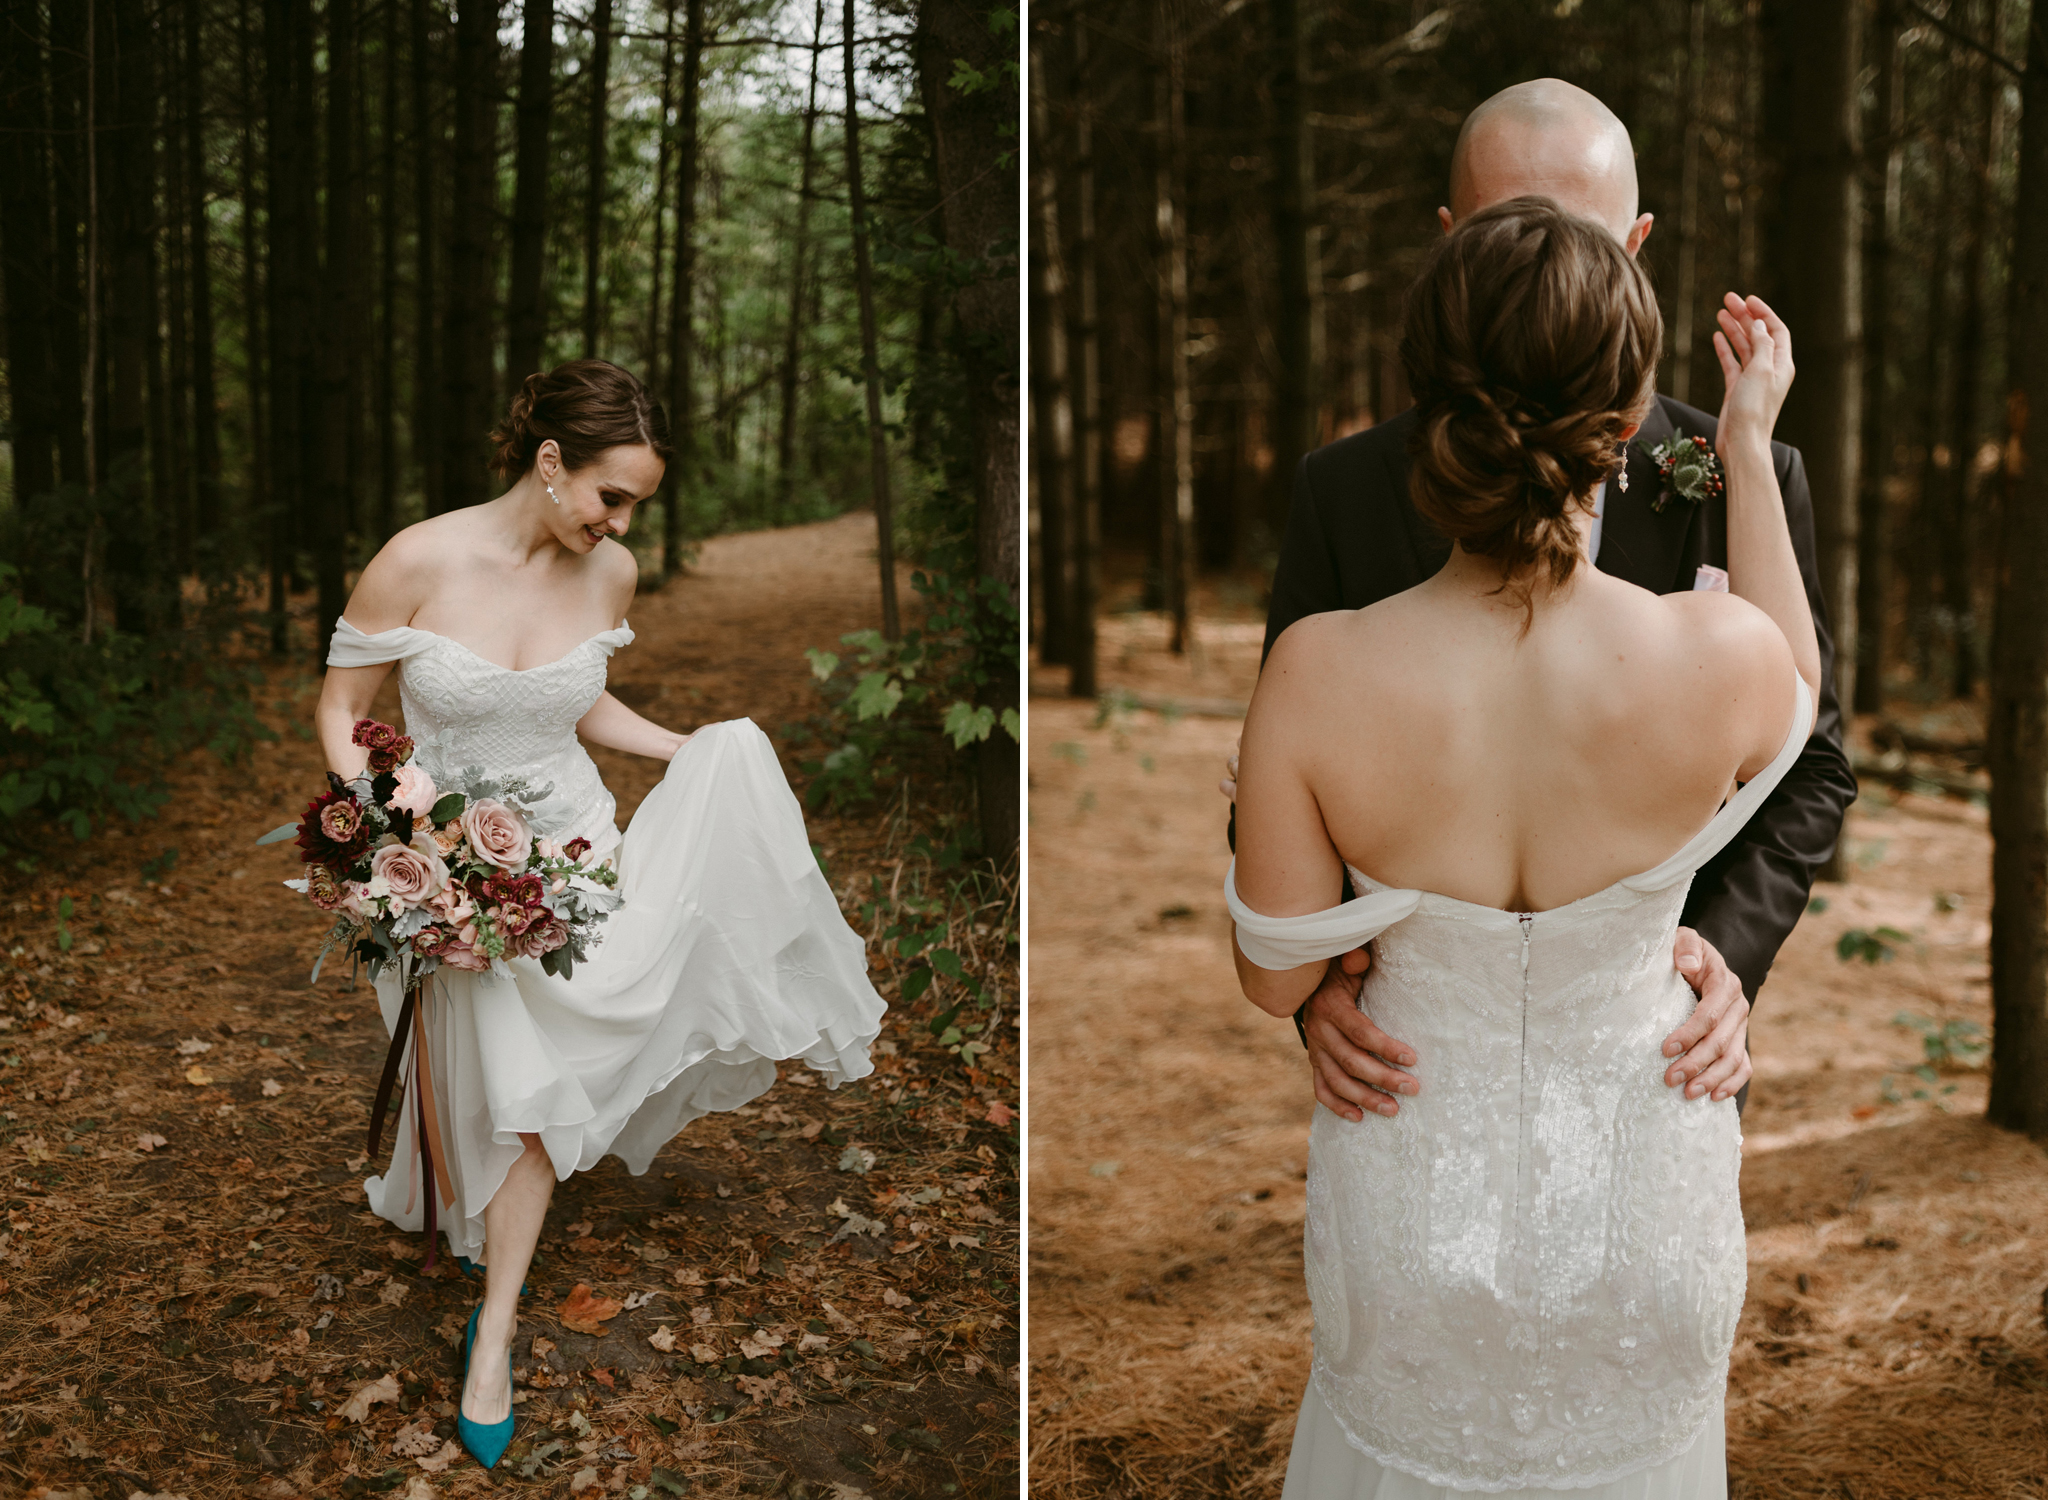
(1531, 342)
(584, 406)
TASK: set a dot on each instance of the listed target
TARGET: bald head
(1553, 139)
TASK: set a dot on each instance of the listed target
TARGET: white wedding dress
(1529, 1278)
(728, 953)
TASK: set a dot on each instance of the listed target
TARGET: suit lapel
(1638, 543)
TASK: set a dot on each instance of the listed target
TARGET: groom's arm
(1746, 900)
(1306, 581)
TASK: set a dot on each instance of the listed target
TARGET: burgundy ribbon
(433, 1168)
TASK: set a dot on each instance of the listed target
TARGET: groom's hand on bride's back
(1709, 1054)
(1356, 1066)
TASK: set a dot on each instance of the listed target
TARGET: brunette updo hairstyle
(1531, 343)
(586, 406)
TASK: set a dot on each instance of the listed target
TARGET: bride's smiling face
(597, 500)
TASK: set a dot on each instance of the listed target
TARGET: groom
(1353, 538)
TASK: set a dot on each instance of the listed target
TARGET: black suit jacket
(1354, 538)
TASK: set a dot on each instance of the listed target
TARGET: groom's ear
(1638, 232)
(1443, 217)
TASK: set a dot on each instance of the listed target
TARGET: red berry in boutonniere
(1687, 468)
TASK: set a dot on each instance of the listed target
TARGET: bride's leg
(512, 1221)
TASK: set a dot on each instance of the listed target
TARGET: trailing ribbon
(412, 1027)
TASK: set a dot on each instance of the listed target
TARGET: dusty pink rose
(448, 837)
(459, 955)
(452, 905)
(497, 834)
(415, 793)
(543, 937)
(429, 941)
(322, 888)
(414, 877)
(340, 821)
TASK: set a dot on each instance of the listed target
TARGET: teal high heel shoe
(486, 1443)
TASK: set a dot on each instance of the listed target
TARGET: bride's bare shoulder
(400, 577)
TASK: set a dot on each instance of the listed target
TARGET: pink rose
(543, 937)
(415, 793)
(322, 888)
(447, 838)
(497, 834)
(429, 941)
(340, 821)
(459, 955)
(413, 876)
(354, 900)
(452, 905)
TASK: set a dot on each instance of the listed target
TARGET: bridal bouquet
(423, 876)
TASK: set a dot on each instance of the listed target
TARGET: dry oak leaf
(392, 1293)
(1000, 1114)
(435, 1462)
(704, 1354)
(542, 1347)
(684, 1276)
(895, 1298)
(272, 1088)
(759, 1344)
(664, 1339)
(70, 1325)
(417, 1488)
(369, 1394)
(638, 1300)
(775, 1390)
(810, 1341)
(192, 1046)
(255, 1372)
(416, 1439)
(963, 1241)
(149, 1141)
(585, 1313)
(198, 1077)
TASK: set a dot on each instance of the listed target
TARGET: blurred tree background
(1229, 200)
(272, 268)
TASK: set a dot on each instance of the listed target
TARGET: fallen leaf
(162, 1495)
(272, 1088)
(370, 1278)
(403, 1249)
(812, 1131)
(417, 1488)
(583, 1479)
(300, 1339)
(254, 1372)
(664, 1339)
(894, 1298)
(838, 1319)
(684, 1276)
(392, 1293)
(604, 1378)
(810, 1341)
(542, 1347)
(704, 1354)
(701, 1314)
(192, 1046)
(367, 1395)
(775, 1390)
(1000, 1114)
(66, 1391)
(13, 1380)
(585, 1313)
(856, 1159)
(441, 1459)
(843, 1491)
(636, 1300)
(580, 1228)
(198, 1077)
(759, 1344)
(149, 1142)
(838, 1209)
(416, 1439)
(963, 1241)
(70, 1325)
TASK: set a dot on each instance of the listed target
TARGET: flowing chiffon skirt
(728, 954)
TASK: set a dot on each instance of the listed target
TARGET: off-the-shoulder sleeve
(351, 647)
(611, 640)
(1290, 942)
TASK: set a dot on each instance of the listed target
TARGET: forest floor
(819, 1291)
(1892, 1343)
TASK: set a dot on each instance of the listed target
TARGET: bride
(1529, 1276)
(729, 951)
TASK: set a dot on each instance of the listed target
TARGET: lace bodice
(1530, 1276)
(512, 723)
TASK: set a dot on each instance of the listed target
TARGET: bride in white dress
(729, 951)
(1529, 1276)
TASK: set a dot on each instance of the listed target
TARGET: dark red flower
(372, 735)
(576, 848)
(332, 833)
(387, 758)
(429, 941)
(514, 890)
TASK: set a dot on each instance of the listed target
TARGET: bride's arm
(345, 697)
(1755, 349)
(385, 597)
(1286, 864)
(616, 727)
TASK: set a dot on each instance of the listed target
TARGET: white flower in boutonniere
(1687, 469)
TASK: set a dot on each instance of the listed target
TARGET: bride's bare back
(1434, 745)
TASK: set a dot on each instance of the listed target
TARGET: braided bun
(585, 407)
(1531, 342)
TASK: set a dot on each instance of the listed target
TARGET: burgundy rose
(513, 920)
(515, 890)
(576, 848)
(383, 761)
(373, 736)
(332, 832)
(429, 941)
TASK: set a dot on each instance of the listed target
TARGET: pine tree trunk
(878, 441)
(1174, 412)
(1685, 296)
(465, 375)
(28, 267)
(1880, 439)
(662, 153)
(387, 280)
(205, 403)
(175, 422)
(1052, 395)
(67, 306)
(256, 498)
(2017, 740)
(1816, 251)
(530, 198)
(334, 498)
(1297, 331)
(127, 209)
(792, 347)
(682, 353)
(594, 182)
(429, 388)
(1087, 539)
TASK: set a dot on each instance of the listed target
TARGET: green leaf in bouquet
(450, 806)
(279, 835)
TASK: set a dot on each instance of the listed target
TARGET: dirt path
(1892, 1344)
(192, 1288)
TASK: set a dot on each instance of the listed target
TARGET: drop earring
(558, 499)
(1620, 479)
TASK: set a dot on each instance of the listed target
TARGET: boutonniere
(1686, 469)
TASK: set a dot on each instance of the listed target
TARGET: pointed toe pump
(486, 1441)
